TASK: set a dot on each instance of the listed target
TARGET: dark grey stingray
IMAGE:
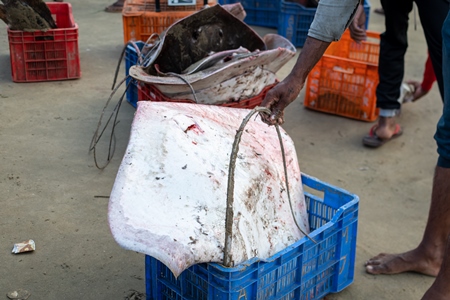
(191, 39)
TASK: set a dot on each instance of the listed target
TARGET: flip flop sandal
(372, 140)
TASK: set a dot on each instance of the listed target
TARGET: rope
(180, 77)
(118, 66)
(287, 183)
(112, 140)
(96, 137)
(227, 257)
(97, 134)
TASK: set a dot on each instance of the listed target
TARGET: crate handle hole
(342, 70)
(44, 38)
(319, 194)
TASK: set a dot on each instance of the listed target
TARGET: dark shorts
(442, 135)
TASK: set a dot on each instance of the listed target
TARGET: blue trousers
(442, 135)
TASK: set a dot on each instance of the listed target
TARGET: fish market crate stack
(295, 20)
(259, 12)
(142, 18)
(344, 80)
(305, 270)
(46, 55)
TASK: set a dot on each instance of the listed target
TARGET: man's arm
(358, 25)
(330, 21)
(279, 97)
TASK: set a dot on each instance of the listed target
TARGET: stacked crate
(142, 18)
(46, 55)
(344, 80)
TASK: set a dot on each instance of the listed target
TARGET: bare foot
(383, 132)
(411, 261)
(386, 128)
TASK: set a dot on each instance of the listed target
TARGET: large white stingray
(170, 194)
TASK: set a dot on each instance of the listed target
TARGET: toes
(376, 260)
(380, 264)
(371, 269)
(372, 262)
(376, 267)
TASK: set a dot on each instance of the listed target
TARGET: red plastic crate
(147, 92)
(345, 79)
(46, 55)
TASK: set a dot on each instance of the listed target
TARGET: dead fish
(212, 59)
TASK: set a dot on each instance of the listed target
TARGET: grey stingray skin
(191, 39)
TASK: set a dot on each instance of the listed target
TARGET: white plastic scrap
(25, 246)
(19, 294)
(169, 197)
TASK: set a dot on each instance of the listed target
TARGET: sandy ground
(50, 186)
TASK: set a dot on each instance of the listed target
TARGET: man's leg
(427, 257)
(391, 67)
(441, 288)
(393, 46)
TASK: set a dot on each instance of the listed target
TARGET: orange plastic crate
(148, 92)
(345, 79)
(149, 5)
(46, 55)
(140, 20)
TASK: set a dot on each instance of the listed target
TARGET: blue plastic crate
(295, 20)
(304, 270)
(259, 12)
(131, 59)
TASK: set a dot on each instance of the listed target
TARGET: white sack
(169, 197)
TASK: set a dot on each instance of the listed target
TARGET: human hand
(418, 91)
(358, 25)
(278, 98)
